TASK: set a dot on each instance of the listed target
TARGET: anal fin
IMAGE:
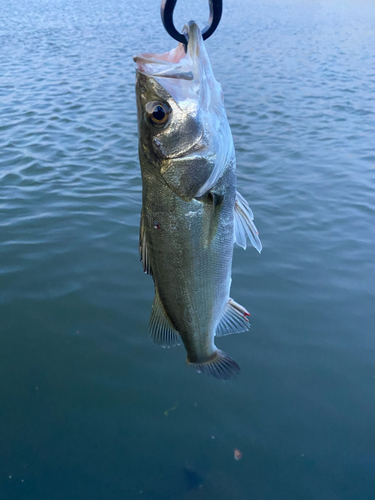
(161, 329)
(244, 226)
(234, 320)
(143, 251)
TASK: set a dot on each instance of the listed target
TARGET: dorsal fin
(244, 225)
(234, 320)
(143, 251)
(161, 329)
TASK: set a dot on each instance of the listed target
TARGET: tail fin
(220, 365)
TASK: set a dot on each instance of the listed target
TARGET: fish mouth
(177, 63)
(174, 56)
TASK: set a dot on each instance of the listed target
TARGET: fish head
(169, 128)
(181, 116)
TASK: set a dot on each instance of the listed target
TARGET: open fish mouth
(167, 65)
(178, 63)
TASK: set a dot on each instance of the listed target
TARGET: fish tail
(220, 365)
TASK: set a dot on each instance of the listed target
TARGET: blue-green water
(90, 409)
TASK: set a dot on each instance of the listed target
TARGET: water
(90, 408)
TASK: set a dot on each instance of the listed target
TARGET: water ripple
(298, 80)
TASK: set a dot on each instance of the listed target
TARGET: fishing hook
(167, 8)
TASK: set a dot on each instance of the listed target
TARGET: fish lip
(148, 58)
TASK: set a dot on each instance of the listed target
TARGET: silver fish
(191, 212)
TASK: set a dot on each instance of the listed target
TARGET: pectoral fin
(143, 251)
(244, 226)
(234, 320)
(161, 329)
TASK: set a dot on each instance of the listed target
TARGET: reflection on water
(84, 392)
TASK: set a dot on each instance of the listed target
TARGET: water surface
(90, 408)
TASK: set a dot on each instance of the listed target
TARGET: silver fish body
(191, 213)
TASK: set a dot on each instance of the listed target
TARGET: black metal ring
(167, 8)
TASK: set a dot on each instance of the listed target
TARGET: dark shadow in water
(176, 486)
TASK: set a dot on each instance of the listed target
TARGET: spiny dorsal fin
(234, 320)
(220, 365)
(244, 225)
(161, 329)
(143, 252)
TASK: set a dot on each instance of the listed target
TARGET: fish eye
(158, 113)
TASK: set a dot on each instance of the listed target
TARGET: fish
(192, 214)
